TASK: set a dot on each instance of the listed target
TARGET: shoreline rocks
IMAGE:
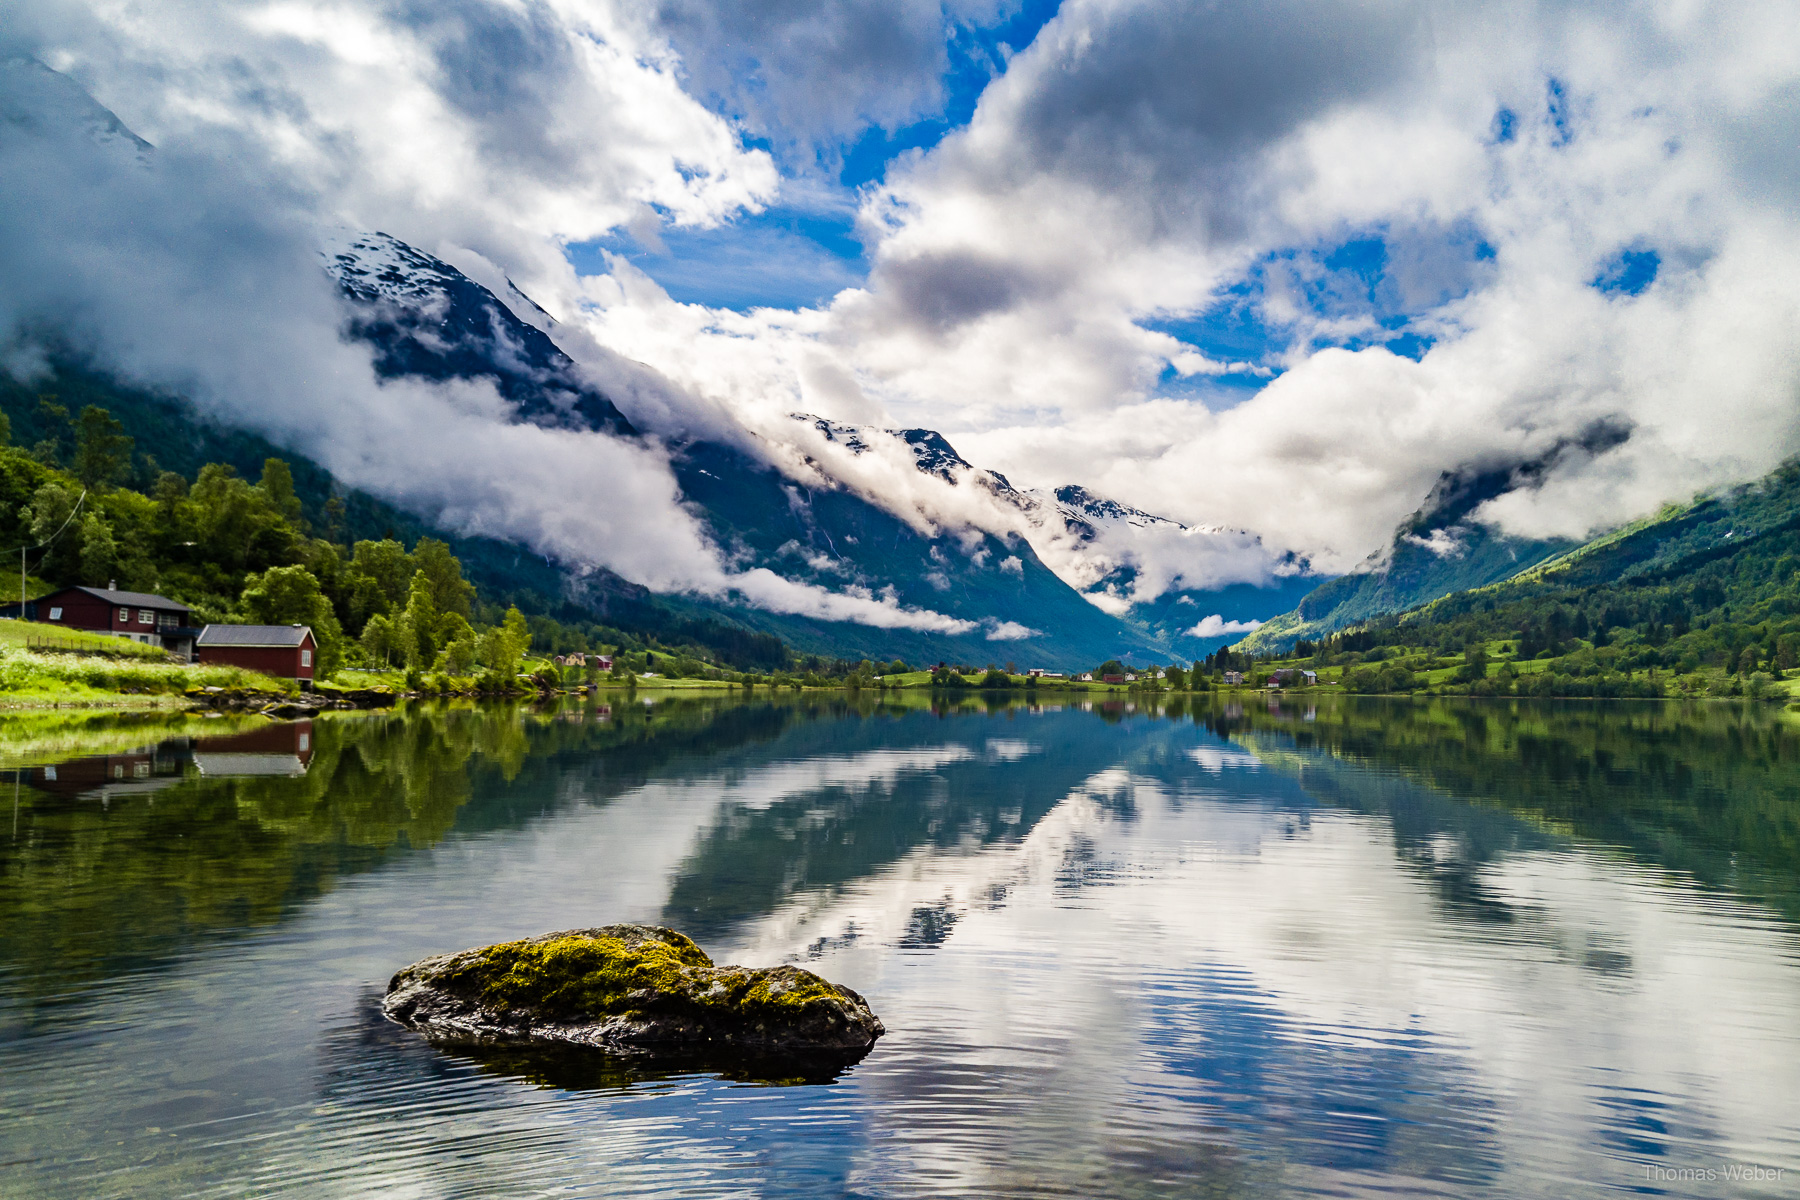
(628, 990)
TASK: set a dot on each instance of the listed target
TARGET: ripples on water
(1362, 949)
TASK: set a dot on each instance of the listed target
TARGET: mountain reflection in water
(1134, 949)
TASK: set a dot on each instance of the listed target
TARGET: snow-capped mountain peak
(426, 318)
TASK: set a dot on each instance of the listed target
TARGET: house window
(56, 614)
(146, 617)
(125, 616)
(305, 741)
(306, 658)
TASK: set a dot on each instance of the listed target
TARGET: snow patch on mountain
(1118, 557)
(426, 318)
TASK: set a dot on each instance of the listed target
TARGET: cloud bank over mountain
(1456, 234)
(1268, 268)
(195, 267)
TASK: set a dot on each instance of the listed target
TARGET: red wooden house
(140, 616)
(287, 651)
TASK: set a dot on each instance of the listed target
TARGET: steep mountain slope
(1125, 556)
(1754, 521)
(425, 318)
(1436, 551)
(1124, 561)
(1703, 599)
(170, 435)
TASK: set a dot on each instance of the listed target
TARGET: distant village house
(602, 661)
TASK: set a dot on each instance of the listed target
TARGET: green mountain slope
(1436, 552)
(1729, 558)
(170, 436)
(1699, 600)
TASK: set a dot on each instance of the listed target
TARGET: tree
(99, 552)
(1787, 651)
(170, 491)
(47, 518)
(290, 595)
(234, 524)
(1177, 678)
(55, 420)
(501, 648)
(381, 641)
(1474, 664)
(1747, 661)
(1111, 666)
(102, 451)
(450, 592)
(422, 617)
(277, 483)
(457, 638)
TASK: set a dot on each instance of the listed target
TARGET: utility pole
(44, 545)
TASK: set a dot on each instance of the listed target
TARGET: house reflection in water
(130, 773)
(283, 750)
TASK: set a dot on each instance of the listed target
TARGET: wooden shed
(287, 651)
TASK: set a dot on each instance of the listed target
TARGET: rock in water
(630, 990)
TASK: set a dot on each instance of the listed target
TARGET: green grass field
(123, 672)
(20, 634)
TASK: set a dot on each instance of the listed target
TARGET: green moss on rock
(624, 986)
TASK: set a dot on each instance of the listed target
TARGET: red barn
(140, 616)
(286, 651)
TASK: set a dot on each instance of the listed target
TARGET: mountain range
(1054, 576)
(426, 319)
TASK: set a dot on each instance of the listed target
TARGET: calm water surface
(1364, 948)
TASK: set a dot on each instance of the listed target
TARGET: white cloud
(1138, 157)
(177, 270)
(1217, 626)
(1031, 272)
(1011, 631)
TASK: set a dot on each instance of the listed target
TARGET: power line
(45, 544)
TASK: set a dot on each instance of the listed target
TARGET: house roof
(133, 599)
(213, 763)
(253, 635)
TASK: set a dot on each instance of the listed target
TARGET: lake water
(1367, 947)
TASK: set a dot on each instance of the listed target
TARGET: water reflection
(1132, 949)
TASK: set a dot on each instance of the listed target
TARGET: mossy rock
(629, 990)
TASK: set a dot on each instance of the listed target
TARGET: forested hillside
(131, 487)
(1702, 599)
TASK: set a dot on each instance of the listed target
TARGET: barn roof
(253, 635)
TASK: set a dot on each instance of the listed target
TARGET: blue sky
(805, 249)
(1516, 234)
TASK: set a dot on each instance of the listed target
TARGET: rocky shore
(290, 706)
